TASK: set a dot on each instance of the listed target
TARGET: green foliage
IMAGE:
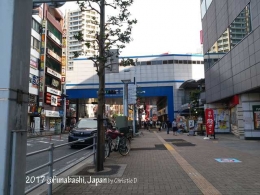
(118, 29)
(194, 102)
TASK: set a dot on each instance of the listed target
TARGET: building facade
(33, 114)
(232, 75)
(50, 89)
(75, 22)
(158, 78)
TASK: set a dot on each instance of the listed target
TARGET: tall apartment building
(232, 77)
(77, 21)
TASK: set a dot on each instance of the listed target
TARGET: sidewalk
(156, 165)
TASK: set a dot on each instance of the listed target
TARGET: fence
(52, 161)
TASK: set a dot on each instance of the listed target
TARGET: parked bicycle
(116, 141)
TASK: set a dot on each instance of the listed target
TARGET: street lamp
(125, 96)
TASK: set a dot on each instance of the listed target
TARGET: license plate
(81, 140)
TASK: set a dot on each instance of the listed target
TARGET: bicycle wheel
(124, 146)
(107, 148)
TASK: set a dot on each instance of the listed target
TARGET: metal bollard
(50, 168)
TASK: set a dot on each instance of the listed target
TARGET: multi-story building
(33, 115)
(158, 79)
(77, 21)
(51, 76)
(232, 76)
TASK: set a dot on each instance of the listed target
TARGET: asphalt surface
(40, 143)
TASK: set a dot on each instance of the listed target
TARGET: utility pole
(15, 38)
(101, 92)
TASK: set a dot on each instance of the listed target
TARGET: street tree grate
(109, 170)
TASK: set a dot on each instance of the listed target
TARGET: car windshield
(87, 123)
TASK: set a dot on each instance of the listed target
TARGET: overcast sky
(171, 26)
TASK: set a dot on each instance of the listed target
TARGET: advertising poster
(256, 114)
(222, 120)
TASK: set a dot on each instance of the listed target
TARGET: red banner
(209, 116)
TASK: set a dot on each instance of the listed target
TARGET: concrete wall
(239, 70)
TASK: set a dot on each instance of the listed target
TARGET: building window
(35, 44)
(176, 62)
(165, 62)
(170, 61)
(36, 26)
(149, 62)
(189, 61)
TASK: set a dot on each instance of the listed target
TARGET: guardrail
(52, 161)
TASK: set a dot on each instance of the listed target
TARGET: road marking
(204, 185)
(58, 140)
(44, 142)
(71, 161)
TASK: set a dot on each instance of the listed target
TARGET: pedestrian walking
(174, 127)
(168, 124)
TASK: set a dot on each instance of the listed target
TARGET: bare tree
(115, 32)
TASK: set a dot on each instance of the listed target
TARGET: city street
(39, 143)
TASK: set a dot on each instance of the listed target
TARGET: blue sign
(227, 160)
(61, 112)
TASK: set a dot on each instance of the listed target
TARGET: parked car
(84, 128)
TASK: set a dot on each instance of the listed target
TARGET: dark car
(83, 129)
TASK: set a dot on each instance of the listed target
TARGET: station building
(158, 78)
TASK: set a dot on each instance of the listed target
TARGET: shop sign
(55, 83)
(50, 113)
(256, 114)
(54, 100)
(53, 91)
(54, 55)
(209, 116)
(34, 62)
(54, 73)
(63, 79)
(52, 36)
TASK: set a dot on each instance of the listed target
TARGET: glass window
(35, 44)
(170, 61)
(185, 62)
(180, 62)
(165, 62)
(36, 26)
(143, 63)
(149, 63)
(203, 8)
(237, 30)
(176, 62)
(189, 61)
(153, 62)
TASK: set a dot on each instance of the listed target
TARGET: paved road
(34, 161)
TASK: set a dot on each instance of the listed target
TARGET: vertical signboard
(209, 116)
(256, 114)
(63, 58)
(42, 65)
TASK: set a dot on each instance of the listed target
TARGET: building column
(15, 39)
